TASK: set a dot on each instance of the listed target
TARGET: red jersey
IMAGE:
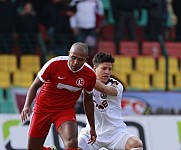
(62, 87)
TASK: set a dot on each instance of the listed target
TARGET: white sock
(137, 148)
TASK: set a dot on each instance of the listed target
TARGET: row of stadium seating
(147, 72)
(133, 49)
(142, 66)
(16, 71)
(141, 72)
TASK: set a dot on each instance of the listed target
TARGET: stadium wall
(133, 102)
(161, 132)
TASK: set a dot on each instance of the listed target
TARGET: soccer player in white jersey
(111, 131)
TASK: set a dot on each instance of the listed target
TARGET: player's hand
(93, 136)
(25, 113)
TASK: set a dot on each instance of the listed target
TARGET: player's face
(76, 60)
(103, 71)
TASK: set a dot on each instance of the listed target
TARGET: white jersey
(108, 110)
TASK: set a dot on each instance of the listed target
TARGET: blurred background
(144, 36)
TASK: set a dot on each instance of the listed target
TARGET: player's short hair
(102, 57)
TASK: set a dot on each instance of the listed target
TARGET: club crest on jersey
(80, 81)
(103, 96)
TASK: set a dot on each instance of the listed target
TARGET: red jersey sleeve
(44, 73)
(92, 81)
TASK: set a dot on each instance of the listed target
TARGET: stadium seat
(173, 49)
(31, 63)
(145, 64)
(8, 62)
(106, 46)
(129, 48)
(178, 81)
(122, 68)
(159, 81)
(139, 81)
(122, 64)
(151, 48)
(22, 78)
(172, 64)
(107, 33)
(122, 77)
(5, 79)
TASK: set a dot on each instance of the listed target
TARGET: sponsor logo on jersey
(103, 96)
(61, 77)
(68, 87)
(80, 81)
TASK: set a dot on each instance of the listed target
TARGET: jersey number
(103, 105)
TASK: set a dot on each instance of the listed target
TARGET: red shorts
(41, 122)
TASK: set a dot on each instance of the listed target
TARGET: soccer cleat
(53, 147)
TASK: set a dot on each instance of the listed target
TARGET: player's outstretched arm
(89, 111)
(101, 87)
(25, 113)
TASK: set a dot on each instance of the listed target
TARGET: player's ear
(94, 67)
(87, 58)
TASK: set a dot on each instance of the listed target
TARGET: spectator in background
(38, 5)
(125, 25)
(7, 24)
(176, 4)
(157, 18)
(55, 17)
(27, 29)
(87, 21)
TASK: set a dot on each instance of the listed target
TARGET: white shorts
(114, 140)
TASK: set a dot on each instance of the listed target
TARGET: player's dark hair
(101, 58)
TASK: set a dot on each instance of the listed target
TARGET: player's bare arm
(29, 98)
(89, 111)
(110, 90)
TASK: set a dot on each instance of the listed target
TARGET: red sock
(71, 149)
(46, 148)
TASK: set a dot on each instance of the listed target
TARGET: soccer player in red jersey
(61, 81)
